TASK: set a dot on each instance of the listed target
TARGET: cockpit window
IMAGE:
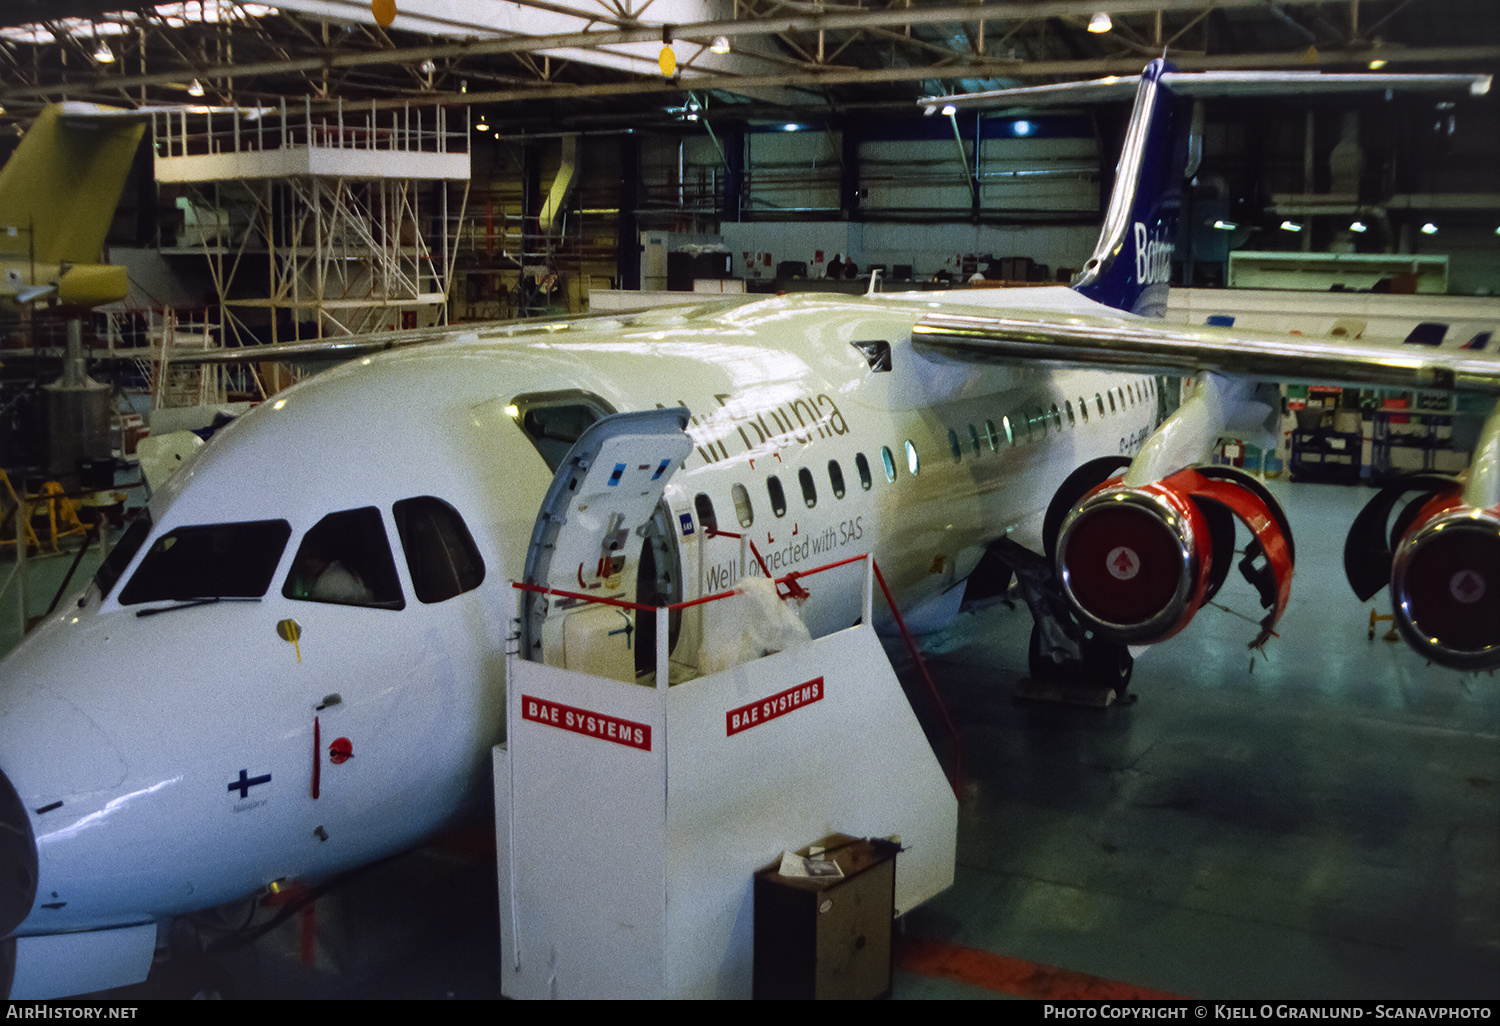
(210, 561)
(108, 574)
(440, 552)
(346, 560)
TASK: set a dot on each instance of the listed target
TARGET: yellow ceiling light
(719, 45)
(1100, 23)
(195, 89)
(104, 55)
(667, 62)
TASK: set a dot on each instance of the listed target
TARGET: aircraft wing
(1151, 347)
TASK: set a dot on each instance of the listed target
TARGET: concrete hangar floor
(1320, 822)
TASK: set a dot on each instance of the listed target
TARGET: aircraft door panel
(589, 533)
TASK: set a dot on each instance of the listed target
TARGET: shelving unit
(1332, 457)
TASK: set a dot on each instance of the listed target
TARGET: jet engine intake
(1444, 572)
(1445, 584)
(1136, 563)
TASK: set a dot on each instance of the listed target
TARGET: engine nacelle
(1136, 563)
(1445, 584)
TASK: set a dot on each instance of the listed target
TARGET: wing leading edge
(1130, 344)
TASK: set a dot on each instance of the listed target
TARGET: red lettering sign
(766, 709)
(583, 721)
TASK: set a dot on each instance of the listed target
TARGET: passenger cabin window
(863, 466)
(974, 439)
(1068, 408)
(346, 560)
(440, 552)
(889, 462)
(742, 510)
(1010, 432)
(1056, 417)
(208, 562)
(1111, 401)
(836, 478)
(704, 506)
(990, 435)
(1098, 398)
(911, 457)
(778, 496)
(1083, 408)
(954, 447)
(809, 490)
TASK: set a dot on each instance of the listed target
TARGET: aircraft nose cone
(18, 859)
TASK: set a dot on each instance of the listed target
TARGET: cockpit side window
(440, 552)
(210, 561)
(346, 560)
(109, 572)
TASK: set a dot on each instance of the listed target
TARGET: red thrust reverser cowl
(1137, 563)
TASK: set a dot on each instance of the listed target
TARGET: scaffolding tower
(320, 224)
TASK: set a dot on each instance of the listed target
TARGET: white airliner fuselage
(184, 775)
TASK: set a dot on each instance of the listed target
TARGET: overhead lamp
(1358, 226)
(104, 55)
(666, 61)
(1226, 226)
(427, 67)
(1290, 226)
(196, 88)
(949, 110)
(1429, 228)
(1377, 64)
(790, 127)
(1022, 127)
(481, 126)
(719, 45)
(1100, 23)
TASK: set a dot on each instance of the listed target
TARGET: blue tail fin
(1132, 262)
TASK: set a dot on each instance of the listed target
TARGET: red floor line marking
(1013, 976)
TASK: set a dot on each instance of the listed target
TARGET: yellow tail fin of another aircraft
(58, 194)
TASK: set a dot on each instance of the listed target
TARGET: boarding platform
(631, 818)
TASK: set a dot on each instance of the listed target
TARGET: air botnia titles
(1246, 1010)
